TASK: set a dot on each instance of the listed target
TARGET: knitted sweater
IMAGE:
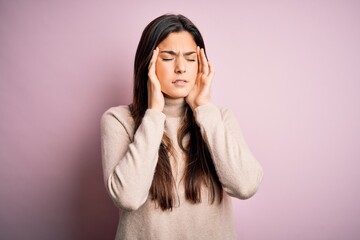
(129, 162)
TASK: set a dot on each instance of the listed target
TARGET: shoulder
(226, 112)
(121, 112)
(118, 117)
(210, 109)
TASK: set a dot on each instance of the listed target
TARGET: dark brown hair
(200, 169)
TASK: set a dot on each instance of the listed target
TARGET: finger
(204, 62)
(211, 70)
(152, 63)
(199, 59)
(154, 57)
(149, 92)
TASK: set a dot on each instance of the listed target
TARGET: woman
(171, 159)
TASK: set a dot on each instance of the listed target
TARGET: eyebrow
(174, 53)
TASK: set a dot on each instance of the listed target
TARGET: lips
(180, 82)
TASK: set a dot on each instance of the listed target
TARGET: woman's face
(177, 64)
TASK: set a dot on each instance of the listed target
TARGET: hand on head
(200, 94)
(155, 96)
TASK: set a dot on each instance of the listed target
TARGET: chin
(177, 94)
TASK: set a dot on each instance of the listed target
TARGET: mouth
(180, 82)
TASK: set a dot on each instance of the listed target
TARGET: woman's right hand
(155, 96)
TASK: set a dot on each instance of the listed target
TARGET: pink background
(290, 70)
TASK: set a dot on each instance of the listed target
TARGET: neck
(174, 107)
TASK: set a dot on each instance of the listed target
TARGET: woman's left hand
(200, 94)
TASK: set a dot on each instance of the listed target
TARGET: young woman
(172, 159)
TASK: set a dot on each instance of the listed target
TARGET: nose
(180, 65)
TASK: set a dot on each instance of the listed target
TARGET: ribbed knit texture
(129, 162)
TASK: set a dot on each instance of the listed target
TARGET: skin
(179, 69)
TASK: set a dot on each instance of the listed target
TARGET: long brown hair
(200, 169)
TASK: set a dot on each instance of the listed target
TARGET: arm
(128, 165)
(239, 172)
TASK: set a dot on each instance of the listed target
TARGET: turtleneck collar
(174, 107)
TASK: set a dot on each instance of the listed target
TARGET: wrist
(156, 107)
(200, 103)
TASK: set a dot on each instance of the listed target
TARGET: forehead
(178, 41)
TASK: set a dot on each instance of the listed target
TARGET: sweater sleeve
(129, 164)
(239, 172)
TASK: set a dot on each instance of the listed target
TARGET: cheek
(163, 74)
(193, 71)
(161, 70)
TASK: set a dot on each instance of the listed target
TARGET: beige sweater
(129, 163)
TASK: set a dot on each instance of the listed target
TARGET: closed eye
(167, 59)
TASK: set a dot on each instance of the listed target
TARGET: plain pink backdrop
(290, 70)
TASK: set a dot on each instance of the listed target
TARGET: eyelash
(169, 59)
